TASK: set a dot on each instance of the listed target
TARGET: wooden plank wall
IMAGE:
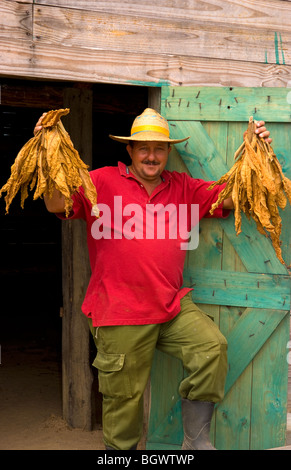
(198, 42)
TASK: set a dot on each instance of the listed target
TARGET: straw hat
(149, 126)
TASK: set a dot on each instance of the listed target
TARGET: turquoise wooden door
(237, 279)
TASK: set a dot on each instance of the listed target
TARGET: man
(135, 301)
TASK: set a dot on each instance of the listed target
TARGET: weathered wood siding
(194, 42)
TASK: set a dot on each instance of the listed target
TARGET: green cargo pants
(124, 359)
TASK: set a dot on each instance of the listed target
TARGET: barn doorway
(31, 252)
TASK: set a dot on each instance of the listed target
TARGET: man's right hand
(56, 203)
(38, 125)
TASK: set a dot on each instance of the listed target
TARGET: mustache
(148, 162)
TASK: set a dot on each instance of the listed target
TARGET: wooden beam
(223, 104)
(26, 59)
(238, 288)
(210, 45)
(25, 93)
(165, 34)
(269, 14)
(108, 99)
(77, 374)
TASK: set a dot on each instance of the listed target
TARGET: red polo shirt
(137, 269)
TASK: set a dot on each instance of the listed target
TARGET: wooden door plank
(238, 289)
(270, 391)
(226, 104)
(233, 416)
(255, 250)
(169, 430)
(247, 337)
(233, 424)
(166, 374)
(199, 153)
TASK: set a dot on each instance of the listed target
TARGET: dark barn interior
(30, 238)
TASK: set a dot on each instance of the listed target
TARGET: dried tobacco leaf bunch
(49, 161)
(257, 186)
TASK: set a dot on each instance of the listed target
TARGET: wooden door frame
(77, 376)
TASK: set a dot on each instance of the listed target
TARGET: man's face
(148, 159)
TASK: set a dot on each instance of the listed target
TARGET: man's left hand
(262, 131)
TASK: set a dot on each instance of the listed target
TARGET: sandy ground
(30, 403)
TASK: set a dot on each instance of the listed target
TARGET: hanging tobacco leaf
(257, 186)
(49, 161)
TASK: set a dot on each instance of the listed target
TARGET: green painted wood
(226, 103)
(233, 423)
(208, 256)
(255, 250)
(199, 153)
(170, 425)
(270, 391)
(159, 446)
(247, 337)
(165, 423)
(235, 288)
(257, 329)
(251, 333)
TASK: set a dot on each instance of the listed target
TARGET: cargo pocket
(112, 374)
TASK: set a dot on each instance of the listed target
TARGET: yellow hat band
(162, 130)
